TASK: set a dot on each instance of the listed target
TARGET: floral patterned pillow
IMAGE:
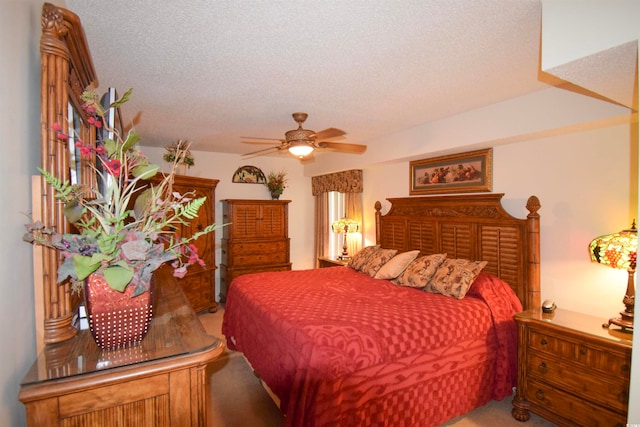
(396, 265)
(379, 258)
(420, 271)
(358, 260)
(454, 277)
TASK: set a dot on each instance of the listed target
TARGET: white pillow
(396, 265)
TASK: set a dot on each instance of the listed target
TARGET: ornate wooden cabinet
(571, 370)
(199, 283)
(256, 240)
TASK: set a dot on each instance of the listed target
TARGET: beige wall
(20, 146)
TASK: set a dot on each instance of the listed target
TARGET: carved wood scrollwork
(66, 70)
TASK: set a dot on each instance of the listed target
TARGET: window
(337, 210)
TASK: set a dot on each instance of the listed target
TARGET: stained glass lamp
(619, 250)
(345, 226)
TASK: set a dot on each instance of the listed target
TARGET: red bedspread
(340, 348)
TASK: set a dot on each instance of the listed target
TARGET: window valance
(349, 181)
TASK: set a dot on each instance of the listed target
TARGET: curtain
(348, 182)
(321, 223)
(344, 182)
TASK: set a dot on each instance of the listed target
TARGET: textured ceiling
(213, 71)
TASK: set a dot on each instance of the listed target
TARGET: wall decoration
(249, 175)
(456, 173)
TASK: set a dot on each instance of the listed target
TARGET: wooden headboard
(474, 227)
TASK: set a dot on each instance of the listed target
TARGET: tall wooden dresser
(199, 283)
(257, 239)
(571, 370)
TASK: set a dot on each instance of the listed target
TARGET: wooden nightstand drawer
(570, 347)
(575, 410)
(607, 390)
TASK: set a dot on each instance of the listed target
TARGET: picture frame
(467, 172)
(249, 175)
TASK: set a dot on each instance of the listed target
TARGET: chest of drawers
(256, 239)
(571, 370)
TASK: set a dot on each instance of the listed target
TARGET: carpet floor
(237, 398)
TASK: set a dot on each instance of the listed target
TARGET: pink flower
(85, 151)
(113, 166)
(101, 151)
(180, 272)
(63, 136)
(56, 127)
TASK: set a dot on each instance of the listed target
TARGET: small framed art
(249, 175)
(455, 173)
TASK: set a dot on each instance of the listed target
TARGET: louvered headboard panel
(474, 227)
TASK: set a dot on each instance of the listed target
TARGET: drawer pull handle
(540, 394)
(543, 341)
(542, 368)
(625, 368)
(583, 351)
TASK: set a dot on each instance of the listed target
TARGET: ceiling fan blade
(262, 142)
(342, 147)
(263, 151)
(258, 137)
(328, 133)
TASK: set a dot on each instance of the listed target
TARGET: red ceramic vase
(116, 319)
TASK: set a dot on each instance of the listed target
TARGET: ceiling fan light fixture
(300, 150)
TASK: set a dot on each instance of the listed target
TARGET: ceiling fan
(301, 143)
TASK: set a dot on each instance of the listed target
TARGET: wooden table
(324, 262)
(162, 381)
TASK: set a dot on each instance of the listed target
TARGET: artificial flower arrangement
(125, 232)
(179, 150)
(276, 183)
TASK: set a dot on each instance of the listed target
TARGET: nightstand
(331, 262)
(572, 371)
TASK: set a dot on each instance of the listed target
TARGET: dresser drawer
(570, 348)
(259, 259)
(257, 247)
(578, 411)
(612, 392)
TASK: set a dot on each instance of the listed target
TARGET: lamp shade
(345, 225)
(300, 149)
(617, 250)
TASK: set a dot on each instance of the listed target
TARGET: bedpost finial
(533, 205)
(378, 206)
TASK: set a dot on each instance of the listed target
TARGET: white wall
(571, 46)
(20, 144)
(583, 187)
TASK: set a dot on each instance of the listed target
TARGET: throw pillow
(454, 277)
(357, 261)
(420, 271)
(379, 258)
(396, 265)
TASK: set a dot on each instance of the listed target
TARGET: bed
(339, 347)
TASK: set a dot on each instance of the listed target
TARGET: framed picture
(456, 173)
(249, 175)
